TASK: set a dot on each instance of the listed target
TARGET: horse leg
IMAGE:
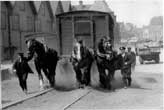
(109, 78)
(87, 74)
(52, 76)
(46, 73)
(112, 72)
(102, 75)
(38, 69)
(78, 75)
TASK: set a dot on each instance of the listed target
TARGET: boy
(22, 69)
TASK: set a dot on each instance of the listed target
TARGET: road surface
(146, 92)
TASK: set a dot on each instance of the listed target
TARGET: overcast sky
(138, 12)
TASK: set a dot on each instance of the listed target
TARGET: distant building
(154, 31)
(129, 34)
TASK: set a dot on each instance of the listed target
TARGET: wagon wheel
(157, 60)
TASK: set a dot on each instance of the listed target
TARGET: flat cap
(122, 48)
(129, 47)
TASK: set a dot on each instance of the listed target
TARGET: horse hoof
(41, 88)
(25, 91)
(125, 87)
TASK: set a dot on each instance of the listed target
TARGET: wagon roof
(81, 11)
(32, 35)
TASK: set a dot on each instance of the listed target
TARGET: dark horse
(82, 61)
(107, 62)
(44, 58)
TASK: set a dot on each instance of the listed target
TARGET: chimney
(81, 3)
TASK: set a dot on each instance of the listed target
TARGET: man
(133, 57)
(126, 67)
(22, 69)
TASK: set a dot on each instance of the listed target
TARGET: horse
(82, 59)
(108, 61)
(45, 59)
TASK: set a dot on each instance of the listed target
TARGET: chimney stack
(81, 3)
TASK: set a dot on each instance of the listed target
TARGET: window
(82, 28)
(3, 20)
(22, 5)
(30, 25)
(15, 22)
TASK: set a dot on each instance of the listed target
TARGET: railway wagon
(85, 25)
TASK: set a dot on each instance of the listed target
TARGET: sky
(138, 12)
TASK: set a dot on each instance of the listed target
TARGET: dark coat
(101, 47)
(126, 68)
(22, 67)
(127, 59)
(133, 55)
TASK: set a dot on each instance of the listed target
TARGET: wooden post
(107, 25)
(92, 31)
(59, 32)
(73, 27)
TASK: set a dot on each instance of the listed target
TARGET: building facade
(5, 41)
(22, 22)
(20, 18)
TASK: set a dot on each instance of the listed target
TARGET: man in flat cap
(22, 69)
(126, 67)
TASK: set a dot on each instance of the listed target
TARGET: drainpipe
(9, 35)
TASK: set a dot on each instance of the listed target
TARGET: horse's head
(77, 51)
(107, 45)
(30, 44)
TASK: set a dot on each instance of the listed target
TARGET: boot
(126, 83)
(129, 81)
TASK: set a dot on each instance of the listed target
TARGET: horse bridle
(108, 51)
